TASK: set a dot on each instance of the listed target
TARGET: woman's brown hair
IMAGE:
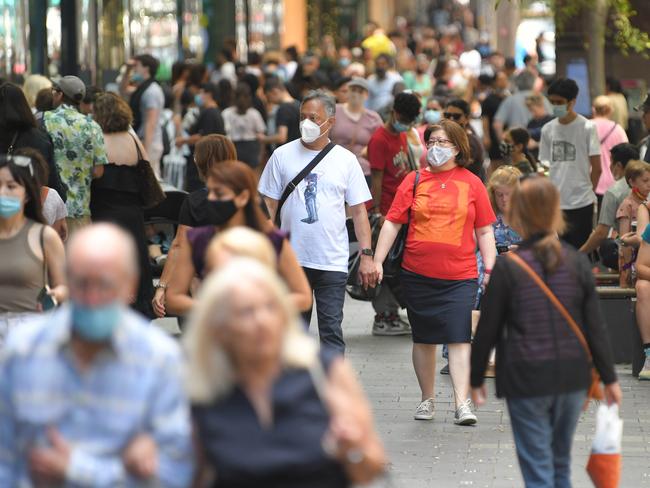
(112, 113)
(457, 135)
(635, 169)
(210, 150)
(534, 210)
(238, 177)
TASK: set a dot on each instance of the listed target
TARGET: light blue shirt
(133, 387)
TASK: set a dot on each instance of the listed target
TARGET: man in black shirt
(458, 111)
(208, 122)
(287, 117)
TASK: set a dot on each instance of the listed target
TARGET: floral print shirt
(78, 147)
(504, 235)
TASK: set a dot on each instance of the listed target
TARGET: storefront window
(14, 51)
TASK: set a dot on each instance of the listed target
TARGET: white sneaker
(464, 415)
(424, 410)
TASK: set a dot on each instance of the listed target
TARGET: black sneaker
(445, 369)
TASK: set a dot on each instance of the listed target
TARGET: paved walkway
(441, 454)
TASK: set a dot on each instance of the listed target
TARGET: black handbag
(151, 192)
(393, 261)
(354, 287)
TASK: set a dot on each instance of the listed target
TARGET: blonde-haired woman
(240, 242)
(542, 369)
(32, 85)
(502, 183)
(269, 409)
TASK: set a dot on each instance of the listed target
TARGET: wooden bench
(618, 306)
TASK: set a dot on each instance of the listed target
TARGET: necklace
(443, 185)
(638, 195)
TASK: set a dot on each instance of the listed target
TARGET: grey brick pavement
(441, 454)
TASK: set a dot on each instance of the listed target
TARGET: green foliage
(627, 37)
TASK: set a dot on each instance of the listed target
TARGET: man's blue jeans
(329, 295)
(543, 429)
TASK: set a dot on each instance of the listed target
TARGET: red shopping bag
(604, 466)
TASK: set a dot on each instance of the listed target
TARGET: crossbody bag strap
(42, 239)
(10, 149)
(293, 184)
(602, 141)
(554, 300)
(415, 185)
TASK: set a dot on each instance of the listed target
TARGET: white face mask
(356, 98)
(310, 131)
(438, 155)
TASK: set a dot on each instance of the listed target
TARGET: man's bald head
(102, 253)
(104, 244)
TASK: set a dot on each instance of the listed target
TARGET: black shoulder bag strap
(299, 177)
(45, 280)
(10, 149)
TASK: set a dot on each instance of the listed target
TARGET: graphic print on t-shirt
(401, 161)
(311, 190)
(563, 151)
(442, 220)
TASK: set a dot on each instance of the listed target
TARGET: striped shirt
(132, 387)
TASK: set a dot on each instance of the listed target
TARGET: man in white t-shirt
(314, 213)
(570, 145)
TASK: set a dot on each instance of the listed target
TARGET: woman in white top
(244, 125)
(53, 207)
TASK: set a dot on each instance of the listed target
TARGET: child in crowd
(637, 175)
(500, 187)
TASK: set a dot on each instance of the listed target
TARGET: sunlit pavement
(441, 454)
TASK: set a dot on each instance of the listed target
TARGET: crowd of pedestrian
(455, 171)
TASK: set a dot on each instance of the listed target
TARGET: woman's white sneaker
(464, 415)
(425, 410)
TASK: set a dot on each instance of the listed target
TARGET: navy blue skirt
(440, 311)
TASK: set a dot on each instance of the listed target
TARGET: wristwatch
(161, 285)
(366, 251)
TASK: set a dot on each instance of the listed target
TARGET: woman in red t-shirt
(450, 211)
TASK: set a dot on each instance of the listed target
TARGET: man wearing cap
(78, 147)
(644, 145)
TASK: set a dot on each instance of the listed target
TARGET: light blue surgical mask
(400, 126)
(198, 100)
(560, 110)
(137, 78)
(95, 324)
(9, 206)
(432, 116)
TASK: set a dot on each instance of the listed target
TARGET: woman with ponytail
(542, 369)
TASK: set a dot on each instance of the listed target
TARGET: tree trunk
(597, 19)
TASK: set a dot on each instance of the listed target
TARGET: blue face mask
(95, 324)
(137, 78)
(198, 100)
(432, 116)
(9, 206)
(400, 126)
(560, 110)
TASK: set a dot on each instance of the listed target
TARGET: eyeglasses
(22, 161)
(439, 142)
(452, 116)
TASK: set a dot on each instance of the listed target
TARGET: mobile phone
(47, 301)
(502, 249)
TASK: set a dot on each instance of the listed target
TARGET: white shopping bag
(604, 465)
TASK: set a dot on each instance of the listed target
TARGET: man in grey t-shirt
(621, 155)
(147, 102)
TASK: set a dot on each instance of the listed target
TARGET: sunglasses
(21, 161)
(452, 116)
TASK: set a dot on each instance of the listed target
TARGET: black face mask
(219, 212)
(505, 149)
(380, 72)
